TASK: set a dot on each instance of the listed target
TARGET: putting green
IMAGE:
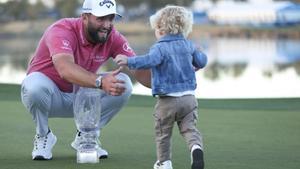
(238, 134)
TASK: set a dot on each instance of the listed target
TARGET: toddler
(173, 61)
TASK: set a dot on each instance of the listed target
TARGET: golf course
(238, 134)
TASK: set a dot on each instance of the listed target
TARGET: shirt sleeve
(152, 59)
(121, 46)
(60, 40)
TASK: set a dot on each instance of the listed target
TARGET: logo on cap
(107, 3)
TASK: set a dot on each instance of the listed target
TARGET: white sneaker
(100, 152)
(164, 165)
(42, 147)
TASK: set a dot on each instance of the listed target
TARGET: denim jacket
(173, 60)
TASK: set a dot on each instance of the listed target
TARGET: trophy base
(87, 157)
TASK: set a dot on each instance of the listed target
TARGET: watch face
(98, 82)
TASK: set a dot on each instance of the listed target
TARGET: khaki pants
(182, 110)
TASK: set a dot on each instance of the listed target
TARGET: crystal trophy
(87, 112)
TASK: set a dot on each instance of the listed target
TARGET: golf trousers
(169, 110)
(43, 99)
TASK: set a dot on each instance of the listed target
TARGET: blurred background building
(252, 12)
(245, 12)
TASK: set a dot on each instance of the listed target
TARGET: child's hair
(172, 20)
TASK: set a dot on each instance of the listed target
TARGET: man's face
(98, 28)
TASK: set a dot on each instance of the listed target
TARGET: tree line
(23, 10)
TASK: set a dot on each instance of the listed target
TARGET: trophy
(87, 111)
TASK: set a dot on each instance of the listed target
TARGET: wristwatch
(98, 82)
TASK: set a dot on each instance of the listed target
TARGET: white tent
(254, 13)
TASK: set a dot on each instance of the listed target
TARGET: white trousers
(43, 99)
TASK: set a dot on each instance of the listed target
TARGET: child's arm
(199, 59)
(143, 76)
(146, 61)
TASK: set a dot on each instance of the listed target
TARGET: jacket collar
(171, 37)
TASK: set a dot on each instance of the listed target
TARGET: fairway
(238, 134)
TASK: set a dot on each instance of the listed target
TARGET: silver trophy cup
(87, 112)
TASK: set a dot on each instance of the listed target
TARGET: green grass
(238, 134)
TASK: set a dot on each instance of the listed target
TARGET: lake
(237, 67)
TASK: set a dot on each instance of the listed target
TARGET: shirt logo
(99, 58)
(66, 45)
(107, 3)
(127, 48)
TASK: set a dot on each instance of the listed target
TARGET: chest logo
(99, 58)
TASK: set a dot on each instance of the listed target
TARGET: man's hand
(111, 85)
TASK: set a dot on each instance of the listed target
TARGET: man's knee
(35, 94)
(127, 84)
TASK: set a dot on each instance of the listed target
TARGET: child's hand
(121, 60)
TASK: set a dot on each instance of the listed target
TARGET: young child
(173, 60)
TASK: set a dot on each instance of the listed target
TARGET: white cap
(100, 7)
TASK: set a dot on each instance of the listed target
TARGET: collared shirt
(67, 36)
(173, 60)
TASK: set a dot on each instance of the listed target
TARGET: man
(70, 53)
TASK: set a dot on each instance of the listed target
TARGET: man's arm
(71, 72)
(75, 74)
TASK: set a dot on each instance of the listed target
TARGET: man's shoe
(100, 152)
(197, 159)
(164, 165)
(42, 146)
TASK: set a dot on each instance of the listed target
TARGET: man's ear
(84, 16)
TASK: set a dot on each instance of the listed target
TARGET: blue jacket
(173, 60)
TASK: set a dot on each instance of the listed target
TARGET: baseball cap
(100, 8)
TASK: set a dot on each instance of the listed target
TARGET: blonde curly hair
(172, 20)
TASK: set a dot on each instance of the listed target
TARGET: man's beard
(93, 33)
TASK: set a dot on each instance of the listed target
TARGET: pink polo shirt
(67, 36)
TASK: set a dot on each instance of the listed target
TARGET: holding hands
(121, 60)
(112, 85)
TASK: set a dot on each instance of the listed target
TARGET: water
(237, 67)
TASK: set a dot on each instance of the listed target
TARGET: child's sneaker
(164, 165)
(197, 158)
